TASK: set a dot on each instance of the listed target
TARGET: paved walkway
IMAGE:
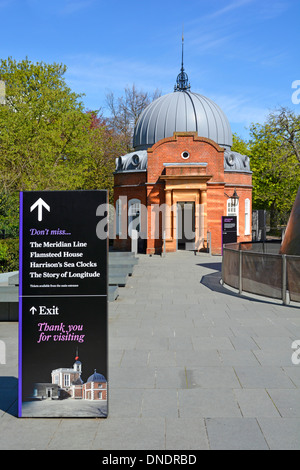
(192, 366)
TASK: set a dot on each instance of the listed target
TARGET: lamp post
(234, 198)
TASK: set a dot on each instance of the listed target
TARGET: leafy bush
(9, 255)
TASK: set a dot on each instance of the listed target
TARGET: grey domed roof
(182, 111)
(95, 377)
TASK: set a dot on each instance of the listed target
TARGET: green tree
(44, 138)
(125, 111)
(106, 146)
(9, 214)
(274, 157)
(47, 142)
(239, 145)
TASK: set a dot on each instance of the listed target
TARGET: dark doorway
(186, 225)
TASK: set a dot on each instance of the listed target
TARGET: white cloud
(269, 10)
(240, 109)
(229, 8)
(210, 40)
(96, 75)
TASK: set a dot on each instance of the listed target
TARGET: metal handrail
(236, 247)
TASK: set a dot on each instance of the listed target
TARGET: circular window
(230, 159)
(185, 155)
(135, 159)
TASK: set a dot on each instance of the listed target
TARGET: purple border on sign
(222, 222)
(20, 305)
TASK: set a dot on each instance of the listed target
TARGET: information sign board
(229, 229)
(63, 304)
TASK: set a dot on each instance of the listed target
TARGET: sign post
(63, 304)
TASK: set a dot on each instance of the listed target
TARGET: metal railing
(258, 268)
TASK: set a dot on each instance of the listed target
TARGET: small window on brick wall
(247, 216)
(134, 216)
(118, 217)
(233, 209)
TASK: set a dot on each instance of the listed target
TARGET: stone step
(122, 260)
(117, 280)
(122, 269)
(112, 293)
(121, 254)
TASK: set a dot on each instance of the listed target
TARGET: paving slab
(281, 433)
(208, 403)
(186, 434)
(286, 401)
(192, 365)
(256, 402)
(263, 377)
(235, 434)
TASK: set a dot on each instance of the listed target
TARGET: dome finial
(182, 82)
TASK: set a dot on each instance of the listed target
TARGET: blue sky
(243, 54)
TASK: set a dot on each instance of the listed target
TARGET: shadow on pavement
(9, 395)
(213, 282)
(214, 266)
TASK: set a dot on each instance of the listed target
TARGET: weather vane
(182, 81)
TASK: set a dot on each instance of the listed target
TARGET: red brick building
(177, 183)
(70, 384)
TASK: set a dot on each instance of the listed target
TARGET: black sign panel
(63, 304)
(229, 229)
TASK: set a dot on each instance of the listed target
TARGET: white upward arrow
(40, 203)
(33, 310)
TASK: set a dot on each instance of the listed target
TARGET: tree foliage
(106, 146)
(125, 111)
(44, 138)
(239, 145)
(47, 140)
(274, 148)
